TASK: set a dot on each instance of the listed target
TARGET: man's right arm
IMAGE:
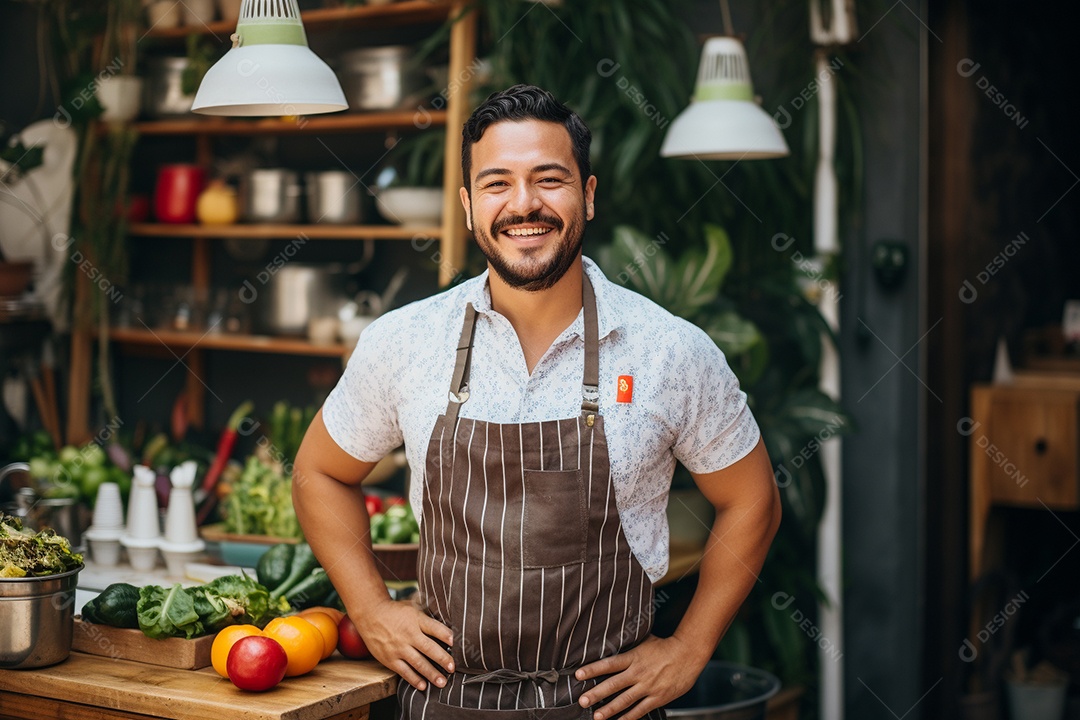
(330, 506)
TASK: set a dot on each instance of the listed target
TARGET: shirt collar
(607, 319)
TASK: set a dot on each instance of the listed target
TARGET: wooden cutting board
(126, 644)
(90, 686)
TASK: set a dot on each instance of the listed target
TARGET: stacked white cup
(182, 543)
(143, 526)
(107, 525)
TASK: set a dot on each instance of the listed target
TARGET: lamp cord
(725, 12)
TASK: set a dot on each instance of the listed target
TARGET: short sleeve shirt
(685, 406)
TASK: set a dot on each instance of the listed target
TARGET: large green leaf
(782, 627)
(817, 414)
(732, 333)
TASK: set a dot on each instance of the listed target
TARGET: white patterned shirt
(686, 404)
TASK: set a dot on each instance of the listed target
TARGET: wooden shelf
(260, 231)
(367, 16)
(221, 341)
(337, 123)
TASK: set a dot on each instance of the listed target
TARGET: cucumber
(274, 565)
(310, 591)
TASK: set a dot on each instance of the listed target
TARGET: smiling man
(543, 409)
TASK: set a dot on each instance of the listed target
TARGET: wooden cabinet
(1024, 445)
(451, 236)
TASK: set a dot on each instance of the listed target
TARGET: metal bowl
(381, 78)
(725, 691)
(37, 619)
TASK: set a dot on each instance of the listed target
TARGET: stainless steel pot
(272, 195)
(162, 93)
(37, 617)
(725, 691)
(333, 197)
(62, 514)
(296, 293)
(381, 78)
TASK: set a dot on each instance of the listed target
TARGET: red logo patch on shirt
(626, 389)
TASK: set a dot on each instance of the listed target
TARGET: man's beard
(532, 274)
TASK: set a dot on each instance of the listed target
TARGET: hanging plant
(92, 42)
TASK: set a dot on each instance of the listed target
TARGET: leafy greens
(26, 553)
(190, 612)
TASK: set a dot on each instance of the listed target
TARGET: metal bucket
(725, 691)
(38, 618)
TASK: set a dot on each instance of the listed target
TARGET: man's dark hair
(524, 102)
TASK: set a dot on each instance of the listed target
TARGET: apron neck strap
(590, 382)
(459, 385)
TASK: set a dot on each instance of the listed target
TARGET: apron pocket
(555, 523)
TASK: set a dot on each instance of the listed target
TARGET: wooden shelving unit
(407, 12)
(339, 123)
(451, 235)
(222, 341)
(257, 231)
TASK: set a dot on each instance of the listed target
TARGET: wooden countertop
(105, 688)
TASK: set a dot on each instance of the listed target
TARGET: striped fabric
(525, 559)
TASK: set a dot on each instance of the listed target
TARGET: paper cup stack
(143, 528)
(107, 525)
(182, 543)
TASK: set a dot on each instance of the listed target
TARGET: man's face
(529, 203)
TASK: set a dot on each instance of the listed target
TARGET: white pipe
(830, 570)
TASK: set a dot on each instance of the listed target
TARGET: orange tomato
(332, 612)
(226, 638)
(327, 627)
(302, 641)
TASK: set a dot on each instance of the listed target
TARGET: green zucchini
(310, 591)
(274, 565)
(303, 563)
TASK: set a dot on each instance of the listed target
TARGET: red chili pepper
(225, 446)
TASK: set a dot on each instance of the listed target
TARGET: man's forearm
(337, 527)
(734, 553)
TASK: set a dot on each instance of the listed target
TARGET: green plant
(200, 56)
(91, 41)
(628, 67)
(17, 162)
(775, 356)
(418, 160)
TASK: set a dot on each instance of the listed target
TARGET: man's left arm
(661, 669)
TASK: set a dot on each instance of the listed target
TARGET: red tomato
(256, 663)
(374, 504)
(396, 500)
(350, 644)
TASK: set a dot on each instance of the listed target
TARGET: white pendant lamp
(270, 69)
(724, 122)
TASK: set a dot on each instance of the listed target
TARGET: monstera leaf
(684, 286)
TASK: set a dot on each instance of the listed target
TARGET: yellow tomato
(302, 641)
(334, 613)
(326, 627)
(219, 651)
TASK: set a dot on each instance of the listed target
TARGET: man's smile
(526, 231)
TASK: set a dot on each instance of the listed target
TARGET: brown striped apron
(523, 556)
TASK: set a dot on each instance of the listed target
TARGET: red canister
(177, 191)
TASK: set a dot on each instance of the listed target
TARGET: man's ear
(590, 194)
(464, 195)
